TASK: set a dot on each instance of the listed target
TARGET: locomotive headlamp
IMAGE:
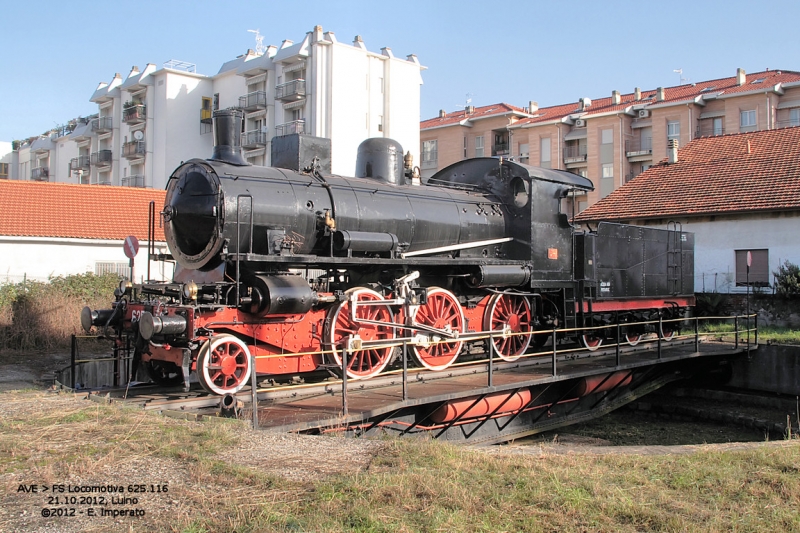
(125, 287)
(190, 290)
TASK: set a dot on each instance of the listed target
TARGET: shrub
(43, 315)
(787, 279)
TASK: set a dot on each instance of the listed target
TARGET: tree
(787, 279)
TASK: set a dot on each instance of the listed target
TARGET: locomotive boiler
(304, 269)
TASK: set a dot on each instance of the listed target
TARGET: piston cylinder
(280, 295)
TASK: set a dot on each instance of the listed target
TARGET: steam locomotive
(306, 270)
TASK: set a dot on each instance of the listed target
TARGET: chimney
(358, 42)
(672, 151)
(469, 109)
(661, 94)
(637, 94)
(533, 107)
(227, 140)
(741, 78)
(442, 113)
(615, 97)
(584, 103)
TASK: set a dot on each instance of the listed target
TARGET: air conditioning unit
(580, 123)
(644, 113)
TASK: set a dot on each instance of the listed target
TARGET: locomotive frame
(482, 253)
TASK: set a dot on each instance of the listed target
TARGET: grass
(413, 485)
(766, 334)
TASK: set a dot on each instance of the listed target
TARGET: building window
(607, 137)
(3, 171)
(716, 125)
(465, 147)
(759, 268)
(608, 170)
(747, 120)
(380, 122)
(429, 151)
(794, 116)
(544, 153)
(673, 130)
(121, 269)
(479, 146)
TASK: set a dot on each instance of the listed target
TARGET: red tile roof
(680, 93)
(479, 112)
(743, 172)
(41, 209)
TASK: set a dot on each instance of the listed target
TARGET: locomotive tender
(300, 268)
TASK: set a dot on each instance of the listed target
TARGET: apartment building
(613, 139)
(154, 118)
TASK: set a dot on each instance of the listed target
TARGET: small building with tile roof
(612, 139)
(736, 193)
(56, 229)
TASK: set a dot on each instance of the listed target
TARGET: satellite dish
(138, 135)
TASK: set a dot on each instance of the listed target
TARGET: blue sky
(512, 51)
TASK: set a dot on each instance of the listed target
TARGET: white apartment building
(155, 118)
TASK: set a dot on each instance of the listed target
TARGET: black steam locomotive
(301, 268)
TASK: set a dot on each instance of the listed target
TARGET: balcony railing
(295, 126)
(254, 139)
(708, 130)
(40, 174)
(574, 153)
(291, 90)
(82, 162)
(136, 180)
(133, 150)
(102, 158)
(500, 149)
(102, 124)
(253, 101)
(789, 123)
(637, 147)
(134, 114)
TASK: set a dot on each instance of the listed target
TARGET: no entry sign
(131, 247)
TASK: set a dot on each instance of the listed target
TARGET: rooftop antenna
(259, 42)
(468, 102)
(679, 72)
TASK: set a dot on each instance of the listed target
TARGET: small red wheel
(668, 331)
(512, 311)
(361, 364)
(223, 365)
(592, 341)
(633, 338)
(441, 311)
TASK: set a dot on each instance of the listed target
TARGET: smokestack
(442, 113)
(661, 94)
(637, 94)
(227, 137)
(672, 151)
(533, 107)
(615, 97)
(741, 78)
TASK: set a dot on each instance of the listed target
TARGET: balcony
(709, 130)
(574, 153)
(134, 113)
(639, 147)
(80, 163)
(133, 150)
(102, 159)
(136, 180)
(40, 174)
(254, 139)
(500, 149)
(102, 124)
(789, 123)
(291, 90)
(288, 128)
(253, 101)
